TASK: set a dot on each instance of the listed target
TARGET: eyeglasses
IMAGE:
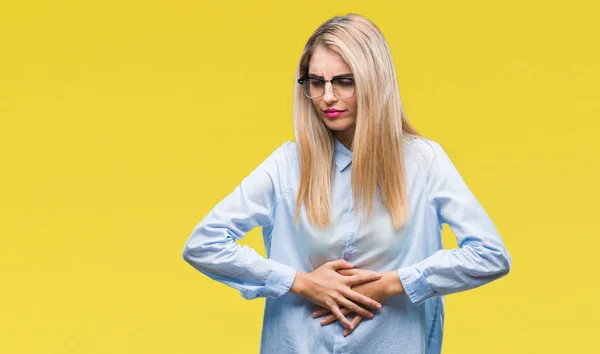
(314, 87)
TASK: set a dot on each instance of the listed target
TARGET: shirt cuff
(280, 279)
(415, 285)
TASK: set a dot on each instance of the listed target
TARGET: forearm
(391, 282)
(451, 271)
(300, 283)
(212, 250)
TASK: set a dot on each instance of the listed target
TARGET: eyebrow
(335, 77)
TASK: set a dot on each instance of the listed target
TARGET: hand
(331, 290)
(378, 290)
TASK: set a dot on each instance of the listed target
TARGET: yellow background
(124, 122)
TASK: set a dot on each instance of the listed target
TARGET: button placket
(350, 247)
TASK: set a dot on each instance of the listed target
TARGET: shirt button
(351, 248)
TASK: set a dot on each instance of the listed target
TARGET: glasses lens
(314, 88)
(344, 88)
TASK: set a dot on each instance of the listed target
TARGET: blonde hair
(381, 125)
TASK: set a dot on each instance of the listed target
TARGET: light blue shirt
(408, 323)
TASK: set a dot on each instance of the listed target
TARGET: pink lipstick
(333, 113)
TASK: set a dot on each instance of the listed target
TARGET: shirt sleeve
(212, 248)
(481, 256)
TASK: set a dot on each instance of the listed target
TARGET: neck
(345, 137)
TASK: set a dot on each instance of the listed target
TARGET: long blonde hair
(381, 125)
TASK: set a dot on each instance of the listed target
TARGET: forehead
(327, 63)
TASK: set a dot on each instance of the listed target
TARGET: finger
(340, 316)
(364, 277)
(321, 312)
(331, 318)
(355, 308)
(355, 321)
(340, 264)
(362, 299)
(348, 272)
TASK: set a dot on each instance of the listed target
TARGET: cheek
(315, 106)
(353, 104)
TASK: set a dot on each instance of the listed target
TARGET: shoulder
(285, 158)
(282, 161)
(421, 149)
(286, 151)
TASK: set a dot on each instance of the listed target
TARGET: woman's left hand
(378, 290)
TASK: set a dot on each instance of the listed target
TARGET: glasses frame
(306, 77)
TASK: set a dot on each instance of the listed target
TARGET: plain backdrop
(124, 122)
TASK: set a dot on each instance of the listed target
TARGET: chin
(338, 124)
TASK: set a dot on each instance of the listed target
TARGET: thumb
(340, 264)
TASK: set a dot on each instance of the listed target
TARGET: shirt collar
(341, 155)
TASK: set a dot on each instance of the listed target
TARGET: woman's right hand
(329, 289)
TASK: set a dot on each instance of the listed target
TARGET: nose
(328, 95)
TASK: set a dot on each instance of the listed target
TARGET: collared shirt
(408, 323)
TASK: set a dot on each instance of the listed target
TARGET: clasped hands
(341, 290)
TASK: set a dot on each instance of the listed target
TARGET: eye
(314, 82)
(345, 82)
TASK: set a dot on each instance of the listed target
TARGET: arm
(212, 248)
(481, 257)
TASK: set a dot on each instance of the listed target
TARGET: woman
(351, 214)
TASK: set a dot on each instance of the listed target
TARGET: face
(328, 64)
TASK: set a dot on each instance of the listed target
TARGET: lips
(333, 113)
(332, 110)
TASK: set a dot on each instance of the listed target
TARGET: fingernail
(345, 333)
(378, 306)
(371, 315)
(323, 322)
